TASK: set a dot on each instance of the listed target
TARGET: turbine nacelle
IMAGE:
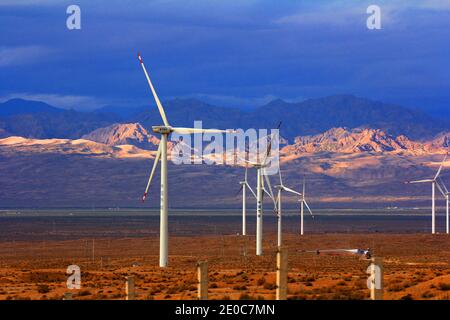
(162, 129)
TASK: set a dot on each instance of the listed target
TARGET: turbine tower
(443, 189)
(433, 182)
(303, 204)
(261, 176)
(260, 190)
(161, 155)
(244, 185)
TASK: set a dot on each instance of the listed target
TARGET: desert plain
(36, 251)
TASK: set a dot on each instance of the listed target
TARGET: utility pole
(129, 288)
(202, 271)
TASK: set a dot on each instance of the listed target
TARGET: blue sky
(231, 53)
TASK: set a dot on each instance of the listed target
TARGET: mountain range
(120, 134)
(102, 158)
(33, 119)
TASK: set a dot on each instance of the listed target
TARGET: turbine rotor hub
(162, 129)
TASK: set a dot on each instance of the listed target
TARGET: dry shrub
(84, 293)
(261, 281)
(427, 294)
(238, 287)
(174, 290)
(444, 286)
(43, 288)
(269, 286)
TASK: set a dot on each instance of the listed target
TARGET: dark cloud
(228, 50)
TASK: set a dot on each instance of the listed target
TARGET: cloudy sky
(231, 53)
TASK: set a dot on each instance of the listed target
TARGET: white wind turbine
(281, 187)
(261, 176)
(244, 185)
(161, 155)
(433, 194)
(303, 204)
(443, 189)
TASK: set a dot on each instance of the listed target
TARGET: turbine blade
(291, 191)
(158, 103)
(155, 164)
(440, 168)
(441, 189)
(197, 130)
(421, 181)
(266, 178)
(269, 147)
(309, 209)
(443, 185)
(268, 150)
(270, 193)
(251, 190)
(239, 191)
(304, 187)
(247, 161)
(277, 201)
(279, 174)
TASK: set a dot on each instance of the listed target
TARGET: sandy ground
(416, 266)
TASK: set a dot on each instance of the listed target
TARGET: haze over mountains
(351, 151)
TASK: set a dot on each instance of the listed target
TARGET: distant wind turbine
(281, 187)
(303, 204)
(443, 189)
(433, 182)
(244, 185)
(262, 176)
(161, 155)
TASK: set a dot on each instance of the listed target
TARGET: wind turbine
(261, 176)
(281, 187)
(303, 204)
(244, 185)
(443, 189)
(161, 155)
(433, 194)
